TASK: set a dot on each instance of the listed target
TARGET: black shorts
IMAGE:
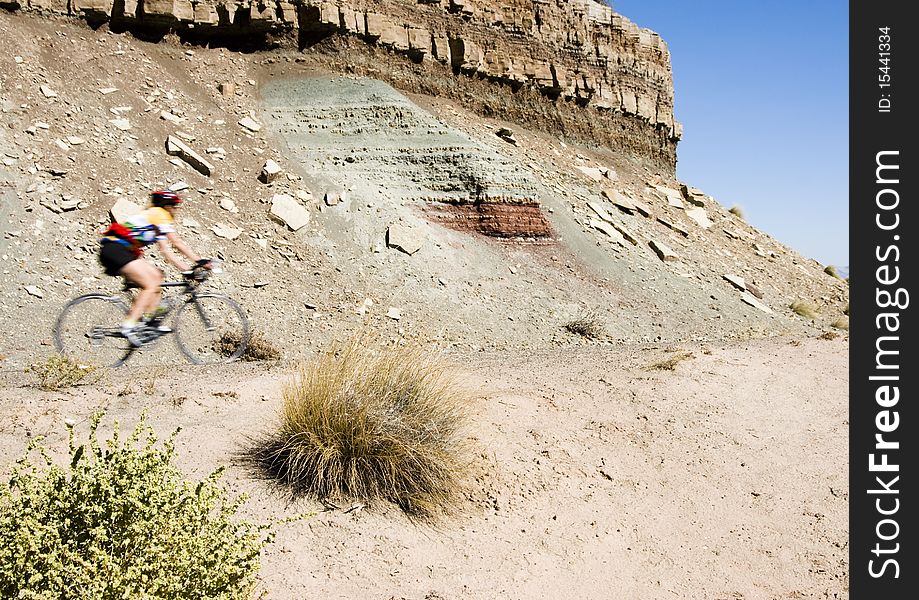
(114, 256)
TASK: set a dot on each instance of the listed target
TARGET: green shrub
(58, 372)
(119, 522)
(369, 422)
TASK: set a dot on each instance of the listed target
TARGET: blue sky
(762, 91)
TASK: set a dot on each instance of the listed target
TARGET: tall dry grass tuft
(832, 272)
(737, 212)
(364, 421)
(804, 308)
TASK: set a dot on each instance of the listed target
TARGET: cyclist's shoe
(132, 334)
(157, 325)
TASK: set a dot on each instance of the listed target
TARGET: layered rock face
(575, 51)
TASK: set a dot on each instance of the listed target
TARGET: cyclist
(122, 254)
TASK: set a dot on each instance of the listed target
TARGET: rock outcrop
(575, 51)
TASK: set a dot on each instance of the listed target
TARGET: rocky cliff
(605, 78)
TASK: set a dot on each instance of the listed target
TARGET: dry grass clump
(736, 211)
(669, 364)
(841, 323)
(588, 325)
(832, 272)
(828, 335)
(58, 372)
(804, 308)
(364, 421)
(258, 348)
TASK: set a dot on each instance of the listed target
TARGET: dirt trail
(597, 477)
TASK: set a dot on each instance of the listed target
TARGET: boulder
(288, 211)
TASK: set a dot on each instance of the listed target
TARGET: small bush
(670, 364)
(119, 522)
(828, 335)
(258, 348)
(841, 323)
(59, 372)
(370, 422)
(736, 211)
(832, 272)
(803, 308)
(588, 325)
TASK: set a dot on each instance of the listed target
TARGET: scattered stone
(591, 172)
(250, 124)
(304, 195)
(621, 201)
(663, 251)
(34, 291)
(290, 212)
(406, 239)
(123, 209)
(62, 145)
(754, 290)
(68, 203)
(18, 60)
(168, 116)
(642, 208)
(47, 92)
(752, 301)
(625, 233)
(107, 91)
(176, 147)
(270, 171)
(608, 230)
(75, 140)
(682, 231)
(699, 216)
(228, 205)
(42, 125)
(333, 198)
(226, 231)
(673, 197)
(394, 313)
(227, 89)
(600, 211)
(122, 124)
(178, 186)
(736, 281)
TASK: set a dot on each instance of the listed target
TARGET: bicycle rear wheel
(211, 329)
(87, 331)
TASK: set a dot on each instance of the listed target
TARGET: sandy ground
(596, 476)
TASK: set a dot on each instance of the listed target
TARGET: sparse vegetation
(119, 521)
(804, 308)
(588, 325)
(841, 323)
(736, 211)
(258, 348)
(58, 372)
(669, 364)
(832, 272)
(828, 335)
(370, 422)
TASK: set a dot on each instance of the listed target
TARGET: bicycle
(209, 328)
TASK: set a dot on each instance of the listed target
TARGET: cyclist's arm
(172, 257)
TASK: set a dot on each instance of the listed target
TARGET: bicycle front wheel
(211, 329)
(87, 331)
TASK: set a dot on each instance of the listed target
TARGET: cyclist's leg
(149, 279)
